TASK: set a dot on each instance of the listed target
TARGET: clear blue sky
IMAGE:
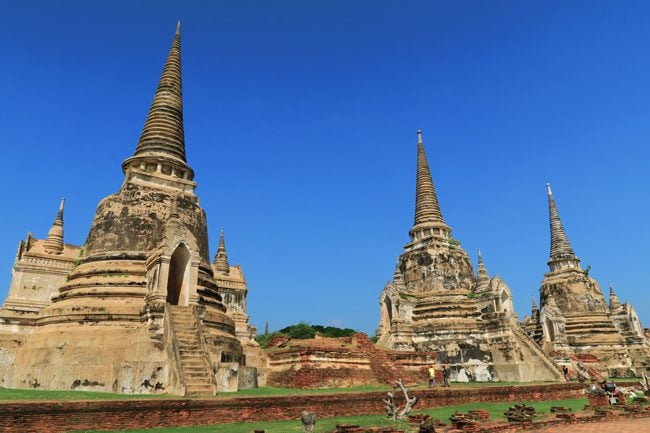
(300, 121)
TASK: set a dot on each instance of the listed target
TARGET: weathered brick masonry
(50, 417)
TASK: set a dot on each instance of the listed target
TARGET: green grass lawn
(326, 425)
(42, 394)
(38, 394)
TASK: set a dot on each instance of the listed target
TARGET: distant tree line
(302, 330)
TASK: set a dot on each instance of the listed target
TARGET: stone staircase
(586, 371)
(551, 366)
(196, 372)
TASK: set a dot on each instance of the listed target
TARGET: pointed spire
(54, 242)
(163, 131)
(613, 299)
(483, 279)
(560, 247)
(427, 209)
(534, 312)
(221, 258)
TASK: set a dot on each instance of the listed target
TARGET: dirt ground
(641, 425)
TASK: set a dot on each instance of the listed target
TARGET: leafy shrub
(303, 330)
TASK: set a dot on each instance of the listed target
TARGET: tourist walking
(445, 375)
(565, 370)
(432, 376)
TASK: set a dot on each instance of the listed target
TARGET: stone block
(227, 377)
(247, 377)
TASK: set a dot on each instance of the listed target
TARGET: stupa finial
(560, 246)
(613, 299)
(163, 133)
(428, 218)
(54, 241)
(483, 279)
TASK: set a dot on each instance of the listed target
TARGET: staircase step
(197, 381)
(196, 352)
(196, 387)
(192, 357)
(198, 392)
(189, 348)
(187, 337)
(195, 368)
(197, 373)
(197, 376)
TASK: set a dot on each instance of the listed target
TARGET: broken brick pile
(479, 414)
(384, 370)
(520, 413)
(464, 422)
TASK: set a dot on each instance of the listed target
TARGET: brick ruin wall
(356, 361)
(55, 417)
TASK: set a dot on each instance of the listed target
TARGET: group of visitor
(432, 375)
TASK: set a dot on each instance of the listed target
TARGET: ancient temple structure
(233, 289)
(436, 303)
(575, 323)
(138, 308)
(40, 268)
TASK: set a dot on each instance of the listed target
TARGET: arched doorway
(388, 313)
(550, 331)
(179, 276)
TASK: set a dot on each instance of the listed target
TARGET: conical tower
(54, 242)
(428, 218)
(221, 258)
(159, 159)
(562, 255)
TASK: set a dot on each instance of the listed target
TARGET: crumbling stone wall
(55, 417)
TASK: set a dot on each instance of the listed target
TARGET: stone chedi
(40, 268)
(575, 322)
(139, 309)
(436, 303)
(233, 289)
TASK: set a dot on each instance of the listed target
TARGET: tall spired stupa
(435, 302)
(137, 309)
(575, 323)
